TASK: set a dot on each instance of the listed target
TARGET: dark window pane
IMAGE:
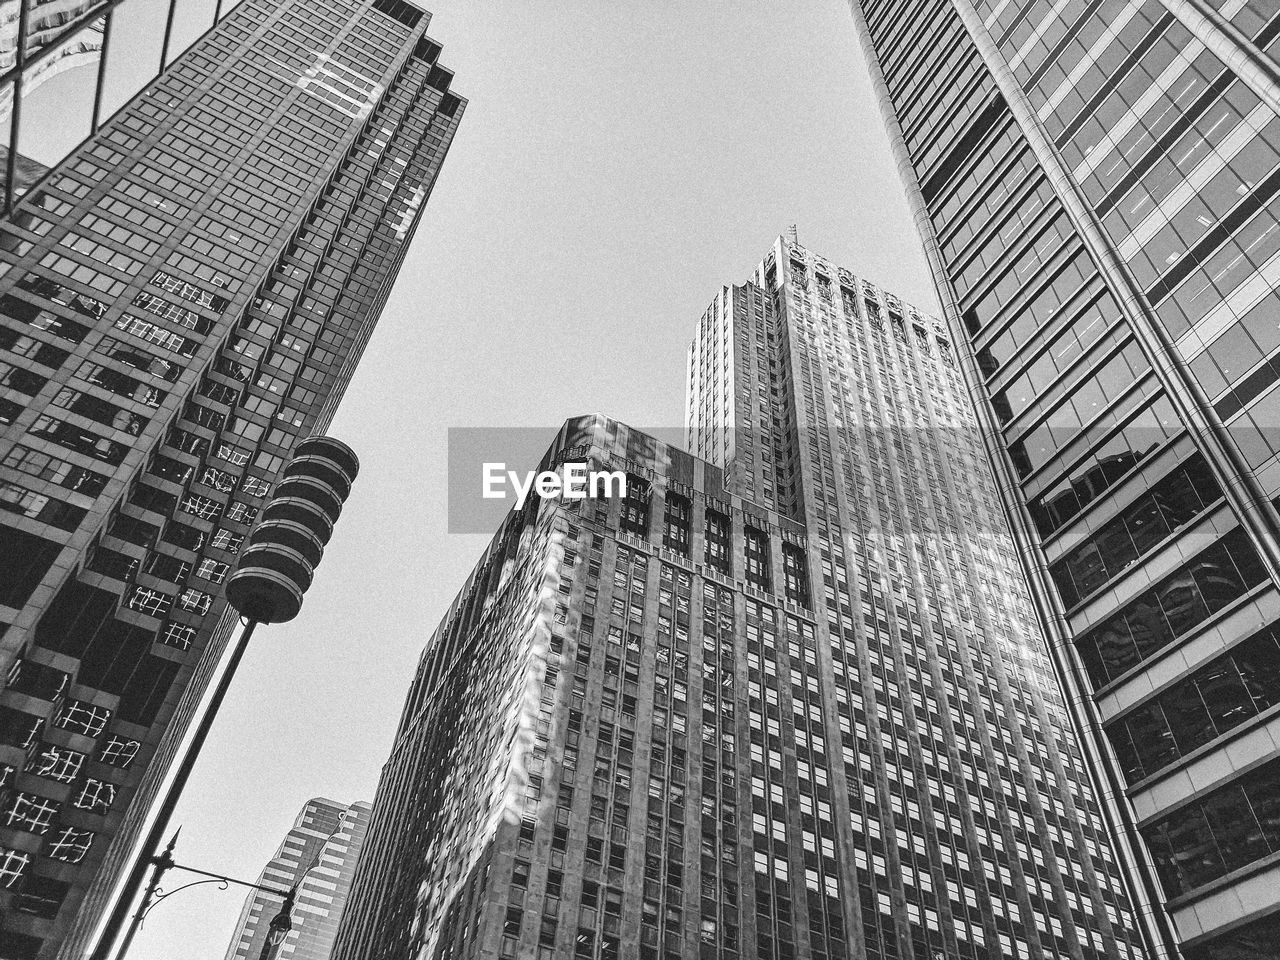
(1258, 660)
(1225, 696)
(1180, 597)
(1254, 941)
(1160, 846)
(1116, 648)
(1090, 649)
(1188, 717)
(1146, 524)
(1152, 738)
(27, 559)
(1147, 622)
(1202, 480)
(1128, 755)
(1196, 858)
(1062, 578)
(1088, 569)
(1234, 827)
(1246, 558)
(1262, 787)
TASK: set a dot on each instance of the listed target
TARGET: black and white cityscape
(946, 625)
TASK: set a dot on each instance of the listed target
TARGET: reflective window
(1065, 345)
(1221, 832)
(1216, 698)
(1111, 460)
(1234, 354)
(1223, 273)
(1169, 504)
(1083, 405)
(1178, 604)
(1253, 941)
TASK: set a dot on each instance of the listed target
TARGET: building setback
(182, 299)
(786, 698)
(318, 858)
(1098, 187)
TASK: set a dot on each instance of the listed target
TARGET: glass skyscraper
(318, 858)
(1097, 183)
(785, 698)
(180, 301)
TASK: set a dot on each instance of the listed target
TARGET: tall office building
(1096, 184)
(317, 858)
(180, 301)
(786, 698)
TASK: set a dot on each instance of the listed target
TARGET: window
(119, 751)
(69, 844)
(796, 574)
(719, 537)
(677, 519)
(96, 796)
(226, 540)
(177, 635)
(37, 680)
(56, 763)
(13, 864)
(148, 601)
(194, 601)
(1221, 695)
(30, 812)
(214, 571)
(634, 518)
(202, 507)
(82, 718)
(1174, 607)
(1168, 505)
(42, 896)
(1222, 831)
(756, 555)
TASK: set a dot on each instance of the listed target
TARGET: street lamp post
(163, 862)
(278, 929)
(275, 569)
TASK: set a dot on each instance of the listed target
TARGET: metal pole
(167, 804)
(162, 863)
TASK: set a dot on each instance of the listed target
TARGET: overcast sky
(620, 161)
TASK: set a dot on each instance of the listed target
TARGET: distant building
(318, 856)
(785, 699)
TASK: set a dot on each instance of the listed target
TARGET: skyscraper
(1096, 185)
(786, 698)
(318, 857)
(185, 297)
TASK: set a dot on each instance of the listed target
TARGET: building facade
(180, 301)
(1097, 187)
(317, 858)
(785, 698)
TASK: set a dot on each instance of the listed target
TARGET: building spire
(792, 236)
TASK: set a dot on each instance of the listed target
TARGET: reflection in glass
(70, 62)
(57, 100)
(137, 35)
(191, 18)
(48, 22)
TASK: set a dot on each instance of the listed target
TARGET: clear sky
(619, 161)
